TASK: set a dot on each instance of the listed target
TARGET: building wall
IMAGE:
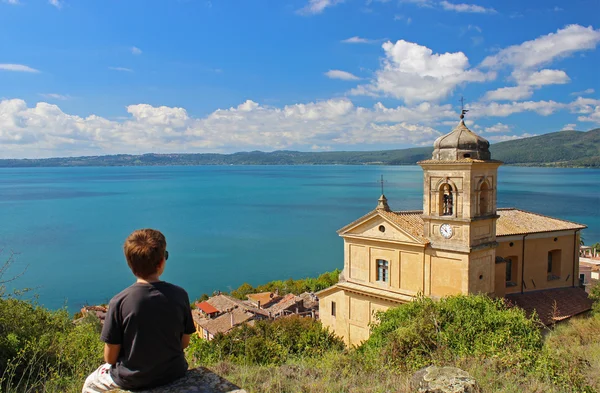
(405, 265)
(535, 270)
(354, 313)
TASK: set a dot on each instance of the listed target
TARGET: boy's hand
(185, 341)
(111, 353)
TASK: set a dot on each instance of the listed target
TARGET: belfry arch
(484, 194)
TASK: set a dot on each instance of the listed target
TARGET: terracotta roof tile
(263, 297)
(569, 302)
(222, 324)
(287, 301)
(410, 221)
(519, 222)
(511, 222)
(207, 307)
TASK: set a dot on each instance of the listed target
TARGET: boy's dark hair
(144, 250)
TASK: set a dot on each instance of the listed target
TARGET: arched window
(446, 201)
(484, 199)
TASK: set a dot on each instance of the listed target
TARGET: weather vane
(462, 107)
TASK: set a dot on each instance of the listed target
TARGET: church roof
(461, 143)
(552, 305)
(520, 222)
(511, 222)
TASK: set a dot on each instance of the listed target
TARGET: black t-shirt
(148, 320)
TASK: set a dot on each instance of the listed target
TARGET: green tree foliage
(325, 280)
(267, 342)
(425, 331)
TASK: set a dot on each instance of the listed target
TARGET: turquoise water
(224, 225)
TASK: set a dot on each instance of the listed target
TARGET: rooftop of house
(224, 303)
(553, 305)
(207, 308)
(511, 222)
(263, 297)
(223, 323)
(287, 301)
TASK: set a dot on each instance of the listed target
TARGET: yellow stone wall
(354, 313)
(537, 247)
(406, 265)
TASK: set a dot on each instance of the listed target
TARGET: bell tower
(459, 201)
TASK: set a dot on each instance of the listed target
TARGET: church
(460, 243)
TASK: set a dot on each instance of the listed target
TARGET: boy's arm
(111, 353)
(185, 341)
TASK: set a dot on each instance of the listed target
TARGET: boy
(148, 324)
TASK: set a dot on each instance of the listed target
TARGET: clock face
(446, 231)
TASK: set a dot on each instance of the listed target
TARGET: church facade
(460, 243)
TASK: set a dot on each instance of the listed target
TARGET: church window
(333, 310)
(484, 203)
(446, 200)
(511, 270)
(383, 270)
(554, 257)
(508, 269)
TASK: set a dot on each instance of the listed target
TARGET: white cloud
(55, 96)
(546, 48)
(419, 3)
(498, 127)
(584, 92)
(472, 8)
(569, 127)
(494, 109)
(317, 6)
(413, 73)
(587, 106)
(398, 17)
(541, 78)
(337, 74)
(474, 27)
(508, 93)
(359, 40)
(13, 2)
(45, 130)
(17, 68)
(56, 3)
(504, 138)
(557, 9)
(123, 69)
(135, 50)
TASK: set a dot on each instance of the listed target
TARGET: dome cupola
(461, 143)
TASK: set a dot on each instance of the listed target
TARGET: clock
(446, 231)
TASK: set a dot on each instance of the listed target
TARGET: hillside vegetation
(564, 148)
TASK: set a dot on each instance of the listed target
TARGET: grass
(571, 350)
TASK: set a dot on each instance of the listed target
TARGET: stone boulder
(198, 380)
(435, 379)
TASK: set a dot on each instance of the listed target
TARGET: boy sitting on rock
(148, 324)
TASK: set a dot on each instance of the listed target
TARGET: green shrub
(425, 331)
(267, 342)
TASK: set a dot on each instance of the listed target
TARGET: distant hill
(564, 148)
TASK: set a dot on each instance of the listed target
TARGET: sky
(95, 77)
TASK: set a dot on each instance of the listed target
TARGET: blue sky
(102, 77)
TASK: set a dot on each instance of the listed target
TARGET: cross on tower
(381, 182)
(462, 107)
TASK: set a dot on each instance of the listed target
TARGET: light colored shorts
(99, 381)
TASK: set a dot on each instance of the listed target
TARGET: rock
(198, 380)
(435, 379)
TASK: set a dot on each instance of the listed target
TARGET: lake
(224, 225)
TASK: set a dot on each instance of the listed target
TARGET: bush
(42, 350)
(325, 280)
(425, 331)
(267, 342)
